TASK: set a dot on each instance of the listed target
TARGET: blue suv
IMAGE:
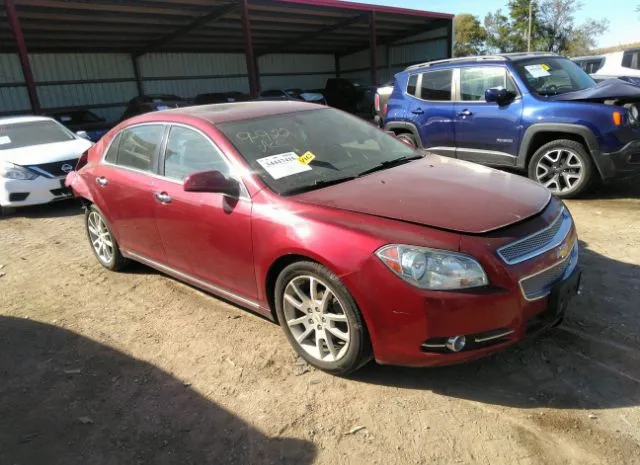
(538, 113)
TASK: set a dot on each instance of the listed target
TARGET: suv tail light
(377, 102)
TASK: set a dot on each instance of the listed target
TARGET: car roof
(224, 112)
(491, 59)
(24, 119)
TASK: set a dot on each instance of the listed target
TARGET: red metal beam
(209, 18)
(252, 65)
(23, 55)
(373, 52)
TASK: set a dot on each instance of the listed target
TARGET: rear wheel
(562, 166)
(103, 243)
(6, 211)
(320, 318)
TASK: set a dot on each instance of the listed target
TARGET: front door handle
(163, 197)
(102, 181)
(465, 113)
(417, 111)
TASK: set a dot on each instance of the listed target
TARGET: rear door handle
(163, 197)
(417, 111)
(465, 113)
(102, 181)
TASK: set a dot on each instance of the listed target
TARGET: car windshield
(295, 93)
(553, 75)
(18, 135)
(306, 150)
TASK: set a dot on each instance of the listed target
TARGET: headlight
(11, 171)
(634, 114)
(432, 268)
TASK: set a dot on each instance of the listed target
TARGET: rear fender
(78, 186)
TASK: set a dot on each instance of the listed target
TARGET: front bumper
(625, 163)
(15, 193)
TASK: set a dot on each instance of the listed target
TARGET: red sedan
(358, 245)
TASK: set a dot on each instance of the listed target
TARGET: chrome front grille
(538, 243)
(539, 285)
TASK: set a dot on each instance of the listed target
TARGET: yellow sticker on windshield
(306, 158)
(545, 67)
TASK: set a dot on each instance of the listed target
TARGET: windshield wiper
(317, 185)
(390, 163)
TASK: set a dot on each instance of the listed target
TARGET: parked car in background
(293, 94)
(36, 153)
(352, 95)
(84, 123)
(358, 245)
(537, 113)
(148, 103)
(623, 64)
(221, 97)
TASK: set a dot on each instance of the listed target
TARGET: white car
(36, 153)
(625, 63)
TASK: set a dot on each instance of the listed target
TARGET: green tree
(470, 35)
(498, 31)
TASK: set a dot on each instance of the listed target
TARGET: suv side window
(189, 152)
(631, 59)
(139, 145)
(474, 81)
(436, 85)
(412, 85)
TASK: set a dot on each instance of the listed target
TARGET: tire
(408, 139)
(555, 165)
(6, 211)
(321, 347)
(113, 260)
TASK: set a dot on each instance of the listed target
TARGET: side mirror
(82, 134)
(211, 181)
(499, 95)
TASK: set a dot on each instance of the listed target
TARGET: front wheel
(320, 318)
(562, 166)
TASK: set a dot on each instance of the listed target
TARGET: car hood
(45, 153)
(610, 89)
(438, 192)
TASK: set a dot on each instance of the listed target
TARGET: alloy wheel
(100, 237)
(316, 318)
(559, 170)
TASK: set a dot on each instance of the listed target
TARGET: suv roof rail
(458, 60)
(526, 54)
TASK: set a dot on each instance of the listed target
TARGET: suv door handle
(163, 197)
(417, 111)
(102, 181)
(465, 113)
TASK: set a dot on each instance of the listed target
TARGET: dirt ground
(137, 368)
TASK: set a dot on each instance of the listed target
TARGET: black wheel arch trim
(407, 127)
(566, 128)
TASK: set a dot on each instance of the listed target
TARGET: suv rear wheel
(562, 166)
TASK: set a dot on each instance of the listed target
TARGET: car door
(125, 183)
(486, 132)
(431, 110)
(205, 235)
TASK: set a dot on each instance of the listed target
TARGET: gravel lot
(137, 368)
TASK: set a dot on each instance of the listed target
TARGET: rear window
(436, 85)
(18, 135)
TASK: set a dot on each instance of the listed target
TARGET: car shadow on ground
(65, 399)
(591, 361)
(58, 209)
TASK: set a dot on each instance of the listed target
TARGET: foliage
(470, 35)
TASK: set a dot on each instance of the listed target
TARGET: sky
(624, 22)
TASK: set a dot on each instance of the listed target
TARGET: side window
(411, 85)
(474, 81)
(112, 153)
(436, 85)
(139, 146)
(188, 152)
(631, 59)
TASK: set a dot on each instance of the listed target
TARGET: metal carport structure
(255, 28)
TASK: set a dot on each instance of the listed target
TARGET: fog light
(456, 343)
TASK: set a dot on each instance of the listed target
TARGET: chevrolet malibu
(358, 245)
